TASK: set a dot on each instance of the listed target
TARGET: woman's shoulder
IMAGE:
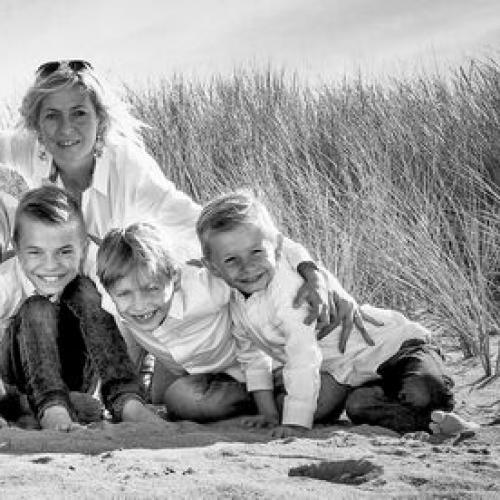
(132, 157)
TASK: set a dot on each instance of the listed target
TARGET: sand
(225, 460)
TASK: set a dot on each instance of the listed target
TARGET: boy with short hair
(55, 337)
(178, 313)
(294, 379)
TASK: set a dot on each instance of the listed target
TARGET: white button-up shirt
(196, 334)
(271, 333)
(360, 361)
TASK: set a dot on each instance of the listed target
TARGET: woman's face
(68, 127)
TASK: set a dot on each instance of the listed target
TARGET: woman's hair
(48, 204)
(115, 120)
(137, 248)
(229, 211)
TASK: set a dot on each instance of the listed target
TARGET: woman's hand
(330, 305)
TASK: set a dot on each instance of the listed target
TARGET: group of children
(225, 337)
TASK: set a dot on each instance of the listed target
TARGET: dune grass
(393, 186)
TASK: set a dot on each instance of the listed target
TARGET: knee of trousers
(440, 391)
(197, 400)
(360, 399)
(37, 308)
(82, 290)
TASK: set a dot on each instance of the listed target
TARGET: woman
(79, 135)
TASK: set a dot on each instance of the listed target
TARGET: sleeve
(256, 364)
(134, 349)
(301, 371)
(295, 253)
(166, 205)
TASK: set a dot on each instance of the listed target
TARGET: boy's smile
(243, 257)
(50, 254)
(143, 300)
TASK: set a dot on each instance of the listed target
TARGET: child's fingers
(347, 326)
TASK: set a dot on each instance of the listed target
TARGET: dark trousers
(413, 383)
(50, 349)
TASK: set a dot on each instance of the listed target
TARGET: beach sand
(225, 460)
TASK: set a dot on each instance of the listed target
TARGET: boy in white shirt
(294, 379)
(180, 315)
(54, 335)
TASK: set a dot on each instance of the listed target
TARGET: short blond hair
(229, 211)
(138, 247)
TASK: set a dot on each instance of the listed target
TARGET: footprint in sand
(341, 471)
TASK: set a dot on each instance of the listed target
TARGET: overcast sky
(134, 39)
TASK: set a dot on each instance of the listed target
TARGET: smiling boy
(55, 337)
(180, 315)
(294, 379)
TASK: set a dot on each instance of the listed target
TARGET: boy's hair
(48, 204)
(140, 246)
(231, 210)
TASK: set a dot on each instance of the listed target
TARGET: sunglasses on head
(75, 65)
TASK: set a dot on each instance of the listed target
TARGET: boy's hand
(260, 421)
(57, 418)
(285, 431)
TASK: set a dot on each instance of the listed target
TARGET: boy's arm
(257, 367)
(301, 371)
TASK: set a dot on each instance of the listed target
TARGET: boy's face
(143, 300)
(243, 257)
(50, 254)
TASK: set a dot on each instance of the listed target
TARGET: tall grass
(394, 186)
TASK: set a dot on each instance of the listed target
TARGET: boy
(55, 337)
(286, 370)
(178, 314)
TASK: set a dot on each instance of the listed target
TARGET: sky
(138, 40)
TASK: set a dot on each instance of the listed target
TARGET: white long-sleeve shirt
(271, 333)
(360, 361)
(196, 334)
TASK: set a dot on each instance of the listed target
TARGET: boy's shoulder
(195, 280)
